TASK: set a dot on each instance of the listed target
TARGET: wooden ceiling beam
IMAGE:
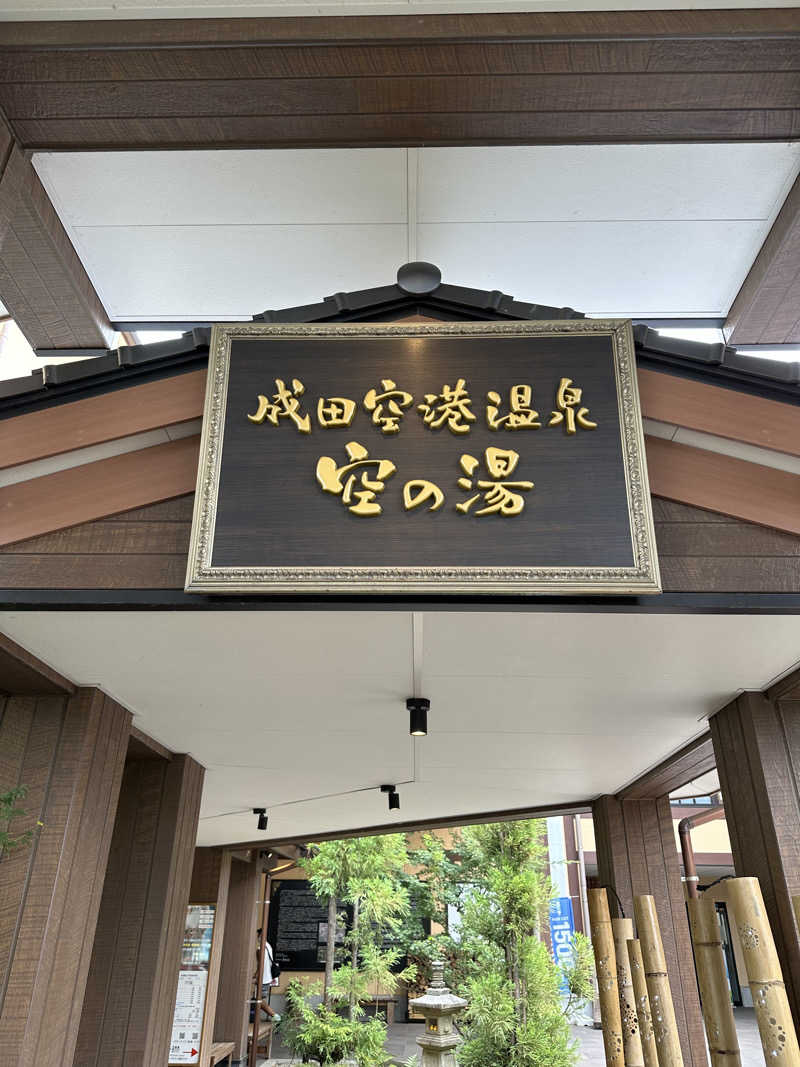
(710, 480)
(766, 310)
(96, 490)
(728, 25)
(499, 78)
(42, 281)
(21, 673)
(692, 761)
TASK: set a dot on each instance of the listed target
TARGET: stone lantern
(438, 1005)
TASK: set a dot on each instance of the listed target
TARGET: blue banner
(562, 929)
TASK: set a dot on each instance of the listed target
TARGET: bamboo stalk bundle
(606, 965)
(723, 1041)
(665, 1028)
(622, 930)
(778, 1037)
(643, 1014)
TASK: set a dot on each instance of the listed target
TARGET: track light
(262, 817)
(418, 716)
(394, 797)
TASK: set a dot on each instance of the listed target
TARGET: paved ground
(591, 1042)
(401, 1043)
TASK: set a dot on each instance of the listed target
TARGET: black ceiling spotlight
(262, 817)
(394, 797)
(418, 716)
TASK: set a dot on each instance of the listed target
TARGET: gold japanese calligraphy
(285, 404)
(498, 494)
(388, 407)
(521, 415)
(359, 482)
(568, 398)
(419, 491)
(344, 481)
(335, 411)
(451, 406)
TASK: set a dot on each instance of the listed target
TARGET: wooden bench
(221, 1050)
(264, 1036)
(386, 1002)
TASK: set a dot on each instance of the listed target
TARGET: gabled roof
(418, 291)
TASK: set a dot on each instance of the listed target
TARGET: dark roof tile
(715, 363)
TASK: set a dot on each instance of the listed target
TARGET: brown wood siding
(69, 752)
(130, 993)
(238, 955)
(147, 548)
(757, 748)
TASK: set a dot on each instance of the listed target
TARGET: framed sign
(458, 458)
(190, 1000)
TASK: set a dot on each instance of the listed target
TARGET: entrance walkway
(591, 1042)
(401, 1043)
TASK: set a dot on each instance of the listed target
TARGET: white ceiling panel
(304, 712)
(572, 183)
(631, 230)
(219, 272)
(230, 188)
(639, 269)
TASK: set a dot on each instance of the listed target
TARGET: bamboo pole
(665, 1029)
(778, 1037)
(723, 1041)
(606, 966)
(631, 1040)
(796, 906)
(643, 1014)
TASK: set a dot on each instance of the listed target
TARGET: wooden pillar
(130, 995)
(211, 876)
(42, 281)
(70, 752)
(637, 854)
(757, 748)
(238, 955)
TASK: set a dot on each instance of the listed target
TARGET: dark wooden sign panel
(467, 458)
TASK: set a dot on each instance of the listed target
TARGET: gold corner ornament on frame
(471, 459)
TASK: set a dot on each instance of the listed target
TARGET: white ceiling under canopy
(645, 231)
(303, 712)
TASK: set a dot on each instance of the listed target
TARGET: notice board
(460, 458)
(298, 925)
(190, 1001)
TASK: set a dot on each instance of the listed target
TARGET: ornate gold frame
(642, 577)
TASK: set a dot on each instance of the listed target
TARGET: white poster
(187, 1022)
(190, 1002)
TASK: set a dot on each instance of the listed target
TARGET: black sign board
(298, 926)
(463, 458)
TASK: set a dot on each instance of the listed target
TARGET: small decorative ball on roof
(419, 278)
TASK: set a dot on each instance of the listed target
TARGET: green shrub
(319, 1035)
